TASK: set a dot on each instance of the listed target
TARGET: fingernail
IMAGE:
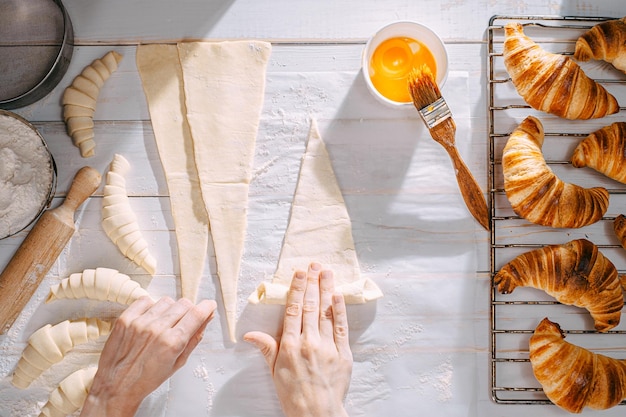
(327, 274)
(300, 275)
(315, 266)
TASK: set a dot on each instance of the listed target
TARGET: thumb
(266, 344)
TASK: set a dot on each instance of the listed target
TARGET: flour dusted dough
(50, 344)
(103, 284)
(119, 221)
(224, 87)
(79, 101)
(319, 230)
(162, 79)
(71, 393)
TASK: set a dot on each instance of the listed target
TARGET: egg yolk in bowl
(391, 63)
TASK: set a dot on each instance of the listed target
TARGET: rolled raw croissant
(605, 41)
(534, 190)
(118, 219)
(573, 377)
(575, 273)
(79, 101)
(103, 284)
(605, 151)
(553, 83)
(71, 393)
(50, 344)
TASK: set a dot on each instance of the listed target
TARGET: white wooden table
(423, 348)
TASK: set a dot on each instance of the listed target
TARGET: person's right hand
(312, 363)
(149, 342)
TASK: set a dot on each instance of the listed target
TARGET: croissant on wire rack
(605, 41)
(573, 377)
(534, 190)
(605, 151)
(575, 273)
(619, 227)
(553, 83)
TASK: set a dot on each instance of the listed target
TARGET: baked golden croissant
(573, 377)
(619, 227)
(605, 41)
(605, 151)
(534, 190)
(553, 83)
(575, 273)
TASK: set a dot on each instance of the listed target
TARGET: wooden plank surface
(424, 348)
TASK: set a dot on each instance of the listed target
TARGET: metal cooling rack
(514, 316)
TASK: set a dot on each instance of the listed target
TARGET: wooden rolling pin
(41, 247)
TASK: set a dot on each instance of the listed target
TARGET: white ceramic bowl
(412, 30)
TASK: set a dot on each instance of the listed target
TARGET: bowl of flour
(27, 174)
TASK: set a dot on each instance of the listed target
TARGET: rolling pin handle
(85, 182)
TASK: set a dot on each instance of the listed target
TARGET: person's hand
(149, 342)
(312, 363)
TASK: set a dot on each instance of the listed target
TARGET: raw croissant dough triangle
(162, 79)
(319, 230)
(224, 84)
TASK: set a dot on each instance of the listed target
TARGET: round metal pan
(43, 199)
(36, 45)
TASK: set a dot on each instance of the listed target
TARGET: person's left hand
(149, 342)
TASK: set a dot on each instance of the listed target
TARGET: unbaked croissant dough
(50, 344)
(573, 377)
(534, 190)
(79, 101)
(102, 284)
(71, 393)
(118, 219)
(224, 84)
(162, 81)
(553, 83)
(319, 230)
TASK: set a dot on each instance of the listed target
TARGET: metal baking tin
(48, 76)
(53, 183)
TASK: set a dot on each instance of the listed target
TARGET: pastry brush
(435, 112)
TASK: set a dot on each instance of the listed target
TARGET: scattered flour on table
(25, 174)
(440, 379)
(201, 372)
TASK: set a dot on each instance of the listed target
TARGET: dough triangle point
(319, 230)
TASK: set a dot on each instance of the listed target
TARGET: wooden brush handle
(470, 190)
(41, 247)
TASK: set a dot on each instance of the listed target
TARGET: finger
(266, 344)
(132, 312)
(136, 309)
(311, 306)
(327, 288)
(196, 338)
(155, 311)
(292, 325)
(191, 318)
(168, 317)
(340, 326)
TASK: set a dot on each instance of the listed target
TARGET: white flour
(25, 175)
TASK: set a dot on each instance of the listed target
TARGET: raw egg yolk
(391, 63)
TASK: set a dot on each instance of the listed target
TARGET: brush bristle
(423, 87)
